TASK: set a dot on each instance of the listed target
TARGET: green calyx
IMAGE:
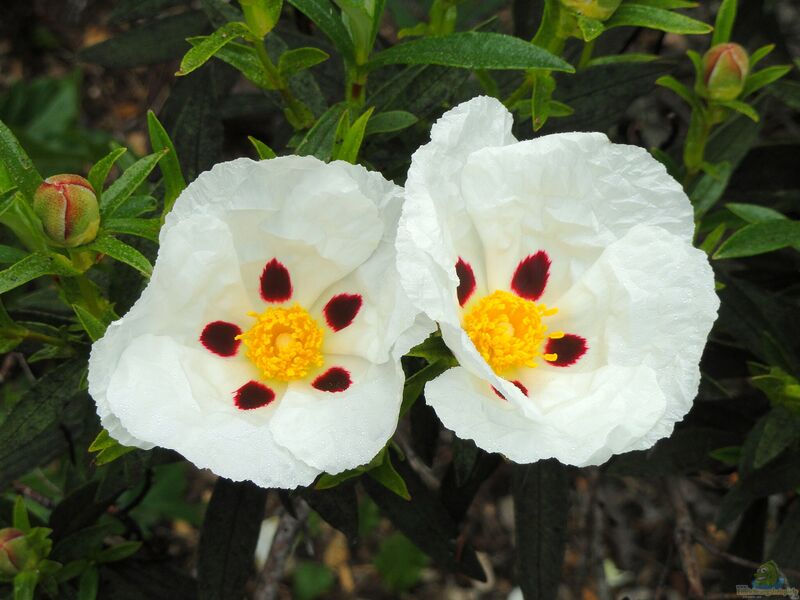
(725, 69)
(67, 207)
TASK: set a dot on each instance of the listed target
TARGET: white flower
(562, 274)
(266, 346)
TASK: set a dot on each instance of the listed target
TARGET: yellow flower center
(508, 331)
(284, 343)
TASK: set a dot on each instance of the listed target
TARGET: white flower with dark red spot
(562, 274)
(266, 346)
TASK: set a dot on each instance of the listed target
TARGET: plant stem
(586, 55)
(295, 113)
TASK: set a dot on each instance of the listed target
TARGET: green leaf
(399, 563)
(10, 254)
(351, 144)
(759, 238)
(136, 206)
(388, 477)
(756, 81)
(590, 28)
(174, 183)
(753, 213)
(106, 244)
(155, 41)
(757, 56)
(541, 97)
(245, 60)
(781, 430)
(100, 170)
(18, 164)
(541, 504)
(669, 82)
(264, 151)
(118, 552)
(88, 584)
(723, 26)
(416, 383)
(320, 138)
(299, 59)
(637, 15)
(324, 16)
(665, 4)
(471, 50)
(311, 580)
(144, 228)
(25, 585)
(228, 538)
(338, 506)
(91, 324)
(708, 189)
(741, 107)
(559, 109)
(712, 239)
(130, 180)
(198, 55)
(261, 15)
(20, 518)
(32, 267)
(616, 59)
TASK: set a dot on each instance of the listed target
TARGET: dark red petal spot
(569, 349)
(341, 310)
(220, 338)
(253, 395)
(519, 385)
(531, 275)
(466, 281)
(335, 379)
(276, 285)
(499, 395)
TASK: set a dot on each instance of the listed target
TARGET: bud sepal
(67, 207)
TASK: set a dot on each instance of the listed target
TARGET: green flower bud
(725, 68)
(594, 9)
(67, 207)
(15, 553)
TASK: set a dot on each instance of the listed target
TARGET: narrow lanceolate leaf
(760, 54)
(32, 267)
(669, 82)
(759, 238)
(541, 503)
(145, 228)
(781, 430)
(471, 50)
(353, 138)
(105, 244)
(753, 213)
(299, 59)
(9, 254)
(319, 140)
(723, 26)
(387, 122)
(100, 170)
(709, 188)
(763, 78)
(328, 19)
(19, 166)
(630, 57)
(742, 108)
(91, 324)
(122, 189)
(264, 151)
(198, 55)
(174, 182)
(228, 539)
(665, 4)
(636, 15)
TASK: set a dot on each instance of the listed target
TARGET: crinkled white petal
(338, 431)
(618, 230)
(155, 384)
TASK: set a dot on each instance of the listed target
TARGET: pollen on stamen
(335, 379)
(567, 349)
(530, 277)
(221, 338)
(466, 281)
(341, 310)
(253, 395)
(275, 282)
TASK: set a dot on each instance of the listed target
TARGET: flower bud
(67, 207)
(725, 68)
(593, 9)
(15, 553)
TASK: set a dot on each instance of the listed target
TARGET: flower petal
(337, 431)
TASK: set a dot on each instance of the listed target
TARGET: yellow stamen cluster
(284, 343)
(508, 331)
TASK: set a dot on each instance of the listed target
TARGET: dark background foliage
(694, 515)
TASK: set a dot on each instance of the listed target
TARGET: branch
(282, 544)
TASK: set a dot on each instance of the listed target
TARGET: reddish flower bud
(15, 554)
(725, 68)
(67, 207)
(593, 9)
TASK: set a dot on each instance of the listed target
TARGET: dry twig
(270, 577)
(683, 538)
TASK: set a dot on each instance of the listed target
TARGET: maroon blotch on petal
(341, 310)
(253, 395)
(276, 285)
(466, 281)
(219, 337)
(569, 349)
(519, 386)
(335, 379)
(530, 278)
